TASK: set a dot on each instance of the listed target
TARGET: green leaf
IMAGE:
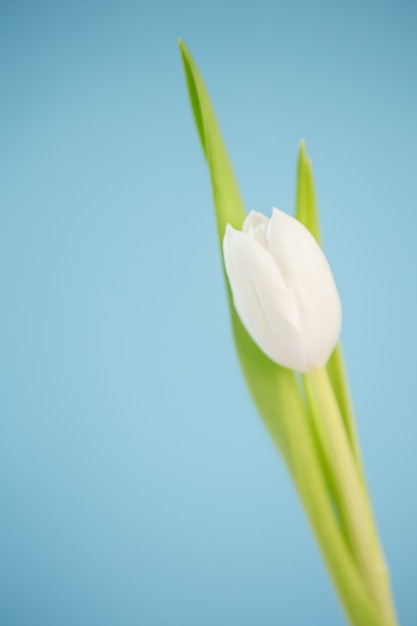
(306, 207)
(355, 519)
(306, 211)
(263, 377)
(227, 198)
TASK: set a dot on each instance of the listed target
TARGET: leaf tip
(303, 151)
(185, 53)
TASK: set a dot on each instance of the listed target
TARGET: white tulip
(283, 290)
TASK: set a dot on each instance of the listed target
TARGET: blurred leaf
(306, 207)
(227, 199)
(262, 375)
(306, 211)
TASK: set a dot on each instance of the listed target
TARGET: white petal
(256, 226)
(263, 301)
(305, 268)
(252, 220)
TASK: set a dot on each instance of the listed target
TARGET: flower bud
(283, 290)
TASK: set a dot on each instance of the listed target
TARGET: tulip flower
(283, 289)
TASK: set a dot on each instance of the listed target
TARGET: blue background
(137, 483)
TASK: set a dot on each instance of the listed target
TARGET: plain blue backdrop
(137, 483)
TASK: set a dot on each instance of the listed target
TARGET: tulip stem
(349, 492)
(336, 372)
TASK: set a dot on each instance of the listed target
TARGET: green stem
(350, 493)
(336, 372)
(293, 434)
(310, 480)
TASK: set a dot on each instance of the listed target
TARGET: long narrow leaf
(257, 368)
(307, 212)
(227, 198)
